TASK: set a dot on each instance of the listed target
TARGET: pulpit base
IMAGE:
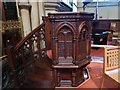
(68, 75)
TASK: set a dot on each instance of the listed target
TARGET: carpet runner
(97, 78)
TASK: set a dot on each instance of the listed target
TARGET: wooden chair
(111, 62)
(28, 61)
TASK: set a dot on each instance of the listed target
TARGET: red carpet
(97, 78)
(98, 53)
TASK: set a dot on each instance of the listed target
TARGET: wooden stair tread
(37, 80)
(38, 77)
(38, 73)
(43, 65)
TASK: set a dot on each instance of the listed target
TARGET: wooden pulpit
(70, 38)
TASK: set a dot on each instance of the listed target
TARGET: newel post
(11, 61)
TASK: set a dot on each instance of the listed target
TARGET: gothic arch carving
(65, 35)
(63, 24)
(84, 30)
(84, 23)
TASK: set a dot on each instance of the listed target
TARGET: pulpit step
(65, 83)
(39, 80)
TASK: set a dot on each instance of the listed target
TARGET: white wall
(74, 6)
(110, 12)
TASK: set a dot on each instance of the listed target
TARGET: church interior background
(39, 28)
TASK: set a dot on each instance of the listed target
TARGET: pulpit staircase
(28, 60)
(29, 63)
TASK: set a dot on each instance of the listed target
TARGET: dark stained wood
(29, 64)
(3, 11)
(47, 32)
(10, 37)
(100, 29)
(98, 35)
(68, 35)
(70, 40)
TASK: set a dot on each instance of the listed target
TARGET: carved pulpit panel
(65, 45)
(84, 42)
(70, 44)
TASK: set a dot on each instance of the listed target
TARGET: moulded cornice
(24, 6)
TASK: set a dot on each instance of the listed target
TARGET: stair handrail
(23, 55)
(28, 36)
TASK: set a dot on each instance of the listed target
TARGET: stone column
(34, 14)
(25, 16)
(50, 7)
(41, 10)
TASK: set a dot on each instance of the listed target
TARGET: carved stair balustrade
(29, 63)
(11, 35)
(68, 36)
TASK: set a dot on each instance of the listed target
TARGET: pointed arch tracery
(65, 41)
(84, 31)
(84, 39)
